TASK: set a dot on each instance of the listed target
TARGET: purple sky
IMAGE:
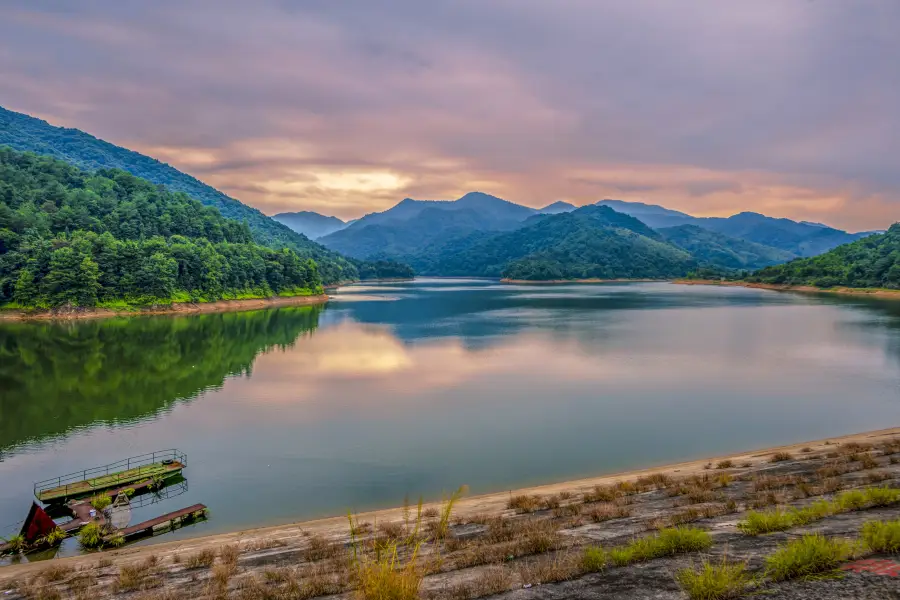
(788, 107)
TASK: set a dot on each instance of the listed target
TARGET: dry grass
(137, 576)
(320, 548)
(606, 512)
(602, 493)
(490, 581)
(262, 544)
(203, 559)
(524, 503)
(781, 457)
(550, 569)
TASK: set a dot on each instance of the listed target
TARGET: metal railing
(121, 470)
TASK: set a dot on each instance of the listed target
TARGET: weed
(90, 536)
(606, 512)
(320, 548)
(668, 542)
(593, 559)
(229, 554)
(492, 580)
(15, 544)
(868, 462)
(809, 555)
(135, 576)
(391, 530)
(602, 494)
(524, 503)
(781, 457)
(100, 502)
(882, 536)
(756, 523)
(262, 544)
(566, 510)
(655, 481)
(714, 581)
(550, 569)
(725, 464)
(202, 559)
(440, 529)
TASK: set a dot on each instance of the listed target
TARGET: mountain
(411, 225)
(25, 133)
(651, 214)
(719, 250)
(309, 223)
(592, 241)
(73, 237)
(798, 238)
(871, 262)
(556, 208)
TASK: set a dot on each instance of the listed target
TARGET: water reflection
(56, 377)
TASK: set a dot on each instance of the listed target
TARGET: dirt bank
(177, 308)
(806, 289)
(568, 515)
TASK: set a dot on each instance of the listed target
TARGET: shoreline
(565, 281)
(804, 289)
(491, 504)
(176, 308)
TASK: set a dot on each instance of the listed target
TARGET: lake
(414, 388)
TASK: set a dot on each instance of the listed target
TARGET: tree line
(71, 237)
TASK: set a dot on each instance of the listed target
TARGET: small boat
(151, 467)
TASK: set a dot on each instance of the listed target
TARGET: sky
(786, 107)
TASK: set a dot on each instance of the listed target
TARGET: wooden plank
(149, 526)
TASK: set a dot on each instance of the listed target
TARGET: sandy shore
(495, 504)
(177, 308)
(806, 289)
(564, 281)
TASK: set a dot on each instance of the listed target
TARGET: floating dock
(166, 522)
(89, 482)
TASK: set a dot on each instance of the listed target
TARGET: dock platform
(137, 469)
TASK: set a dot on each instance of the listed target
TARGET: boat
(143, 469)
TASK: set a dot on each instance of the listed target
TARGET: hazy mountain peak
(557, 207)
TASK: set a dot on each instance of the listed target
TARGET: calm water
(419, 387)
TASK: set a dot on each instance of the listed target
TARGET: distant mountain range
(480, 234)
(311, 224)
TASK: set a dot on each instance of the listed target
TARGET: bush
(809, 555)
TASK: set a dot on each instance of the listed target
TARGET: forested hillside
(592, 241)
(872, 262)
(25, 133)
(70, 237)
(716, 249)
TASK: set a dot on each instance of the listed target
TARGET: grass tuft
(715, 581)
(882, 536)
(807, 556)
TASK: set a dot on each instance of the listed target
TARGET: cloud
(348, 107)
